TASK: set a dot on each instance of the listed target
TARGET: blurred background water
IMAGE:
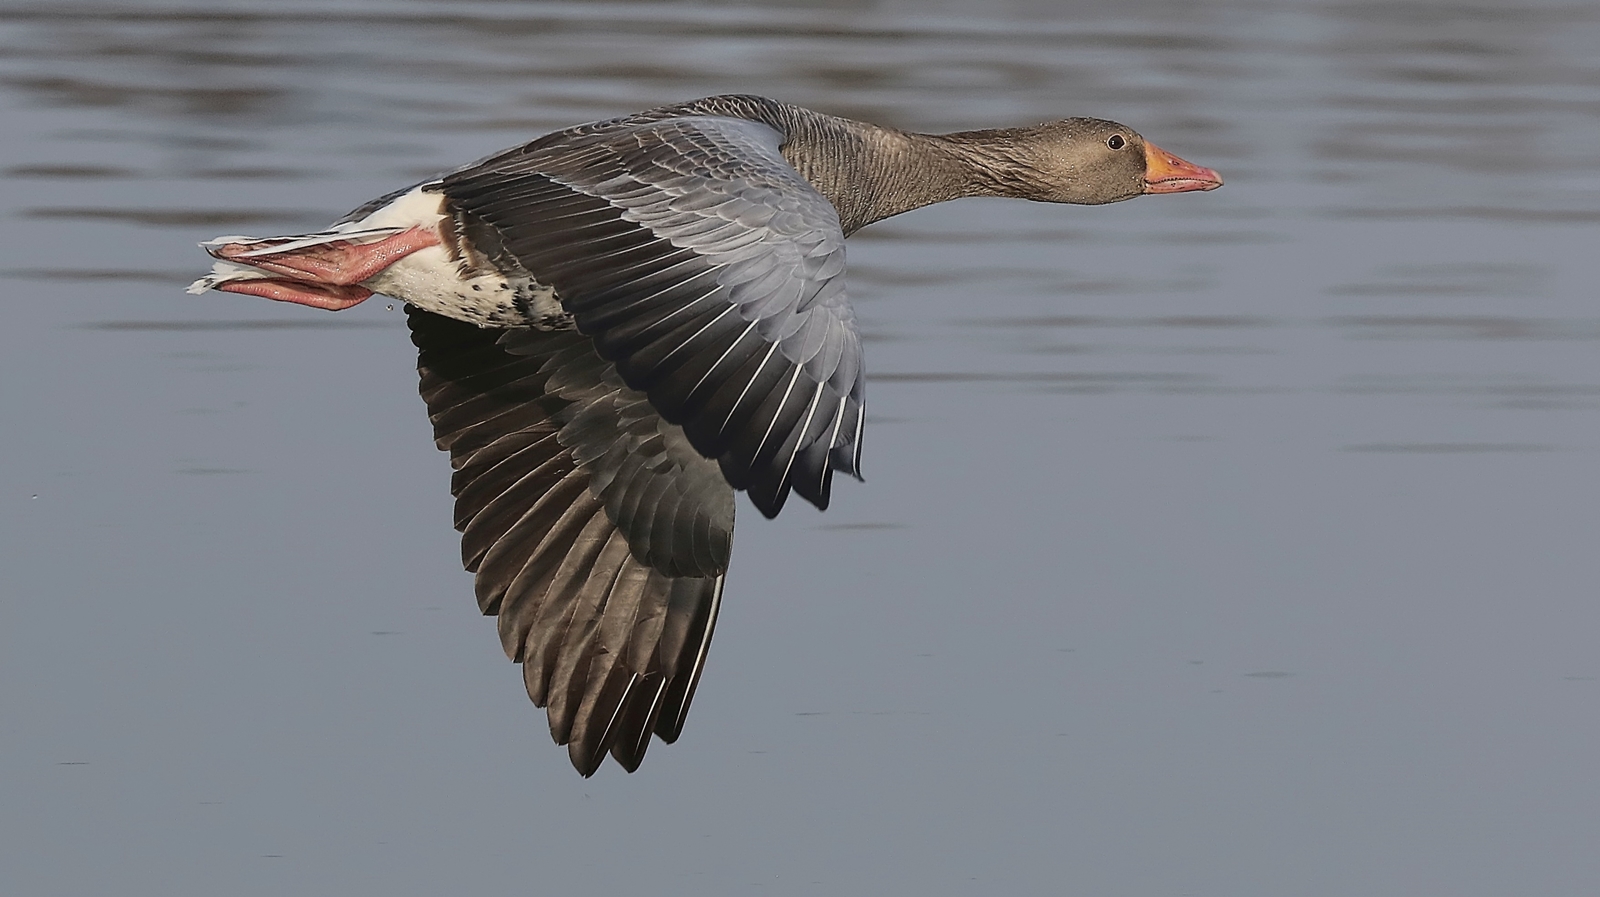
(1229, 544)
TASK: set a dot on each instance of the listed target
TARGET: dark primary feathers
(706, 275)
(598, 535)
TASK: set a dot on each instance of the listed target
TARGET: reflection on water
(1221, 322)
(1278, 432)
(184, 218)
(1460, 279)
(1467, 327)
(1448, 448)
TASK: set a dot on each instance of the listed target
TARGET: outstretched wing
(707, 270)
(598, 534)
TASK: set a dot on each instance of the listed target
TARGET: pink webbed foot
(322, 275)
(317, 295)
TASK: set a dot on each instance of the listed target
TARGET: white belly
(432, 281)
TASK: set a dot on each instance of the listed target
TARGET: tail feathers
(225, 272)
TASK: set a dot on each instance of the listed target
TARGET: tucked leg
(337, 263)
(317, 295)
(325, 275)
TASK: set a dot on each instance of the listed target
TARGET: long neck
(870, 172)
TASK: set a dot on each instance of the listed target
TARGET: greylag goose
(621, 324)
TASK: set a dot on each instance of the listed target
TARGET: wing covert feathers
(708, 271)
(595, 470)
(597, 534)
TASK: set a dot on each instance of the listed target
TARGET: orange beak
(1166, 173)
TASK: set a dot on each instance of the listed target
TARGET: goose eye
(1116, 142)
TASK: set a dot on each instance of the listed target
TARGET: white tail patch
(225, 272)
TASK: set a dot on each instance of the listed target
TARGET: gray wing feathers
(668, 501)
(709, 271)
(599, 536)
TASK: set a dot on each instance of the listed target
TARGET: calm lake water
(1231, 544)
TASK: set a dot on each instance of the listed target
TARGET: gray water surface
(1231, 544)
